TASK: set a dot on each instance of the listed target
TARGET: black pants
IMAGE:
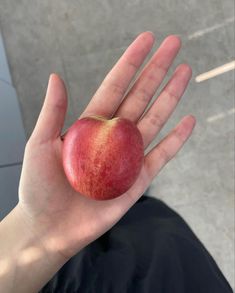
(150, 250)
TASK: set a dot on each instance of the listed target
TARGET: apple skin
(102, 158)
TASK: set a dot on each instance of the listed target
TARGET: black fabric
(150, 250)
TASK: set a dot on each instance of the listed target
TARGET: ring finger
(157, 115)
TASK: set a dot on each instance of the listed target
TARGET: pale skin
(52, 222)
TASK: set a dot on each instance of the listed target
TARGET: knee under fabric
(150, 250)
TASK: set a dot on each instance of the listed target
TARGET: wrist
(49, 233)
(36, 233)
(23, 255)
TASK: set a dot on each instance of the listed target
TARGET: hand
(64, 220)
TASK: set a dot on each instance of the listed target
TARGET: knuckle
(152, 77)
(155, 120)
(164, 154)
(117, 89)
(111, 86)
(34, 142)
(133, 64)
(172, 96)
(29, 145)
(160, 68)
(178, 136)
(143, 94)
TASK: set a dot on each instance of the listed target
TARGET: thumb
(51, 118)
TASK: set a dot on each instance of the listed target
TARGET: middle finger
(143, 90)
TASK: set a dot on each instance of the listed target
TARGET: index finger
(111, 91)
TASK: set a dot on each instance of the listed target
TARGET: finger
(154, 161)
(161, 154)
(149, 80)
(51, 118)
(157, 115)
(110, 93)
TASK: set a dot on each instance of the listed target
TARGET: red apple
(102, 158)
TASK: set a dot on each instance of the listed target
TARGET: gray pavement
(12, 138)
(81, 40)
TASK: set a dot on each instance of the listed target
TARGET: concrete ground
(81, 40)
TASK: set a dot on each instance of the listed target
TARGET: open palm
(67, 220)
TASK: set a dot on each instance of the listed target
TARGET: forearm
(25, 264)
